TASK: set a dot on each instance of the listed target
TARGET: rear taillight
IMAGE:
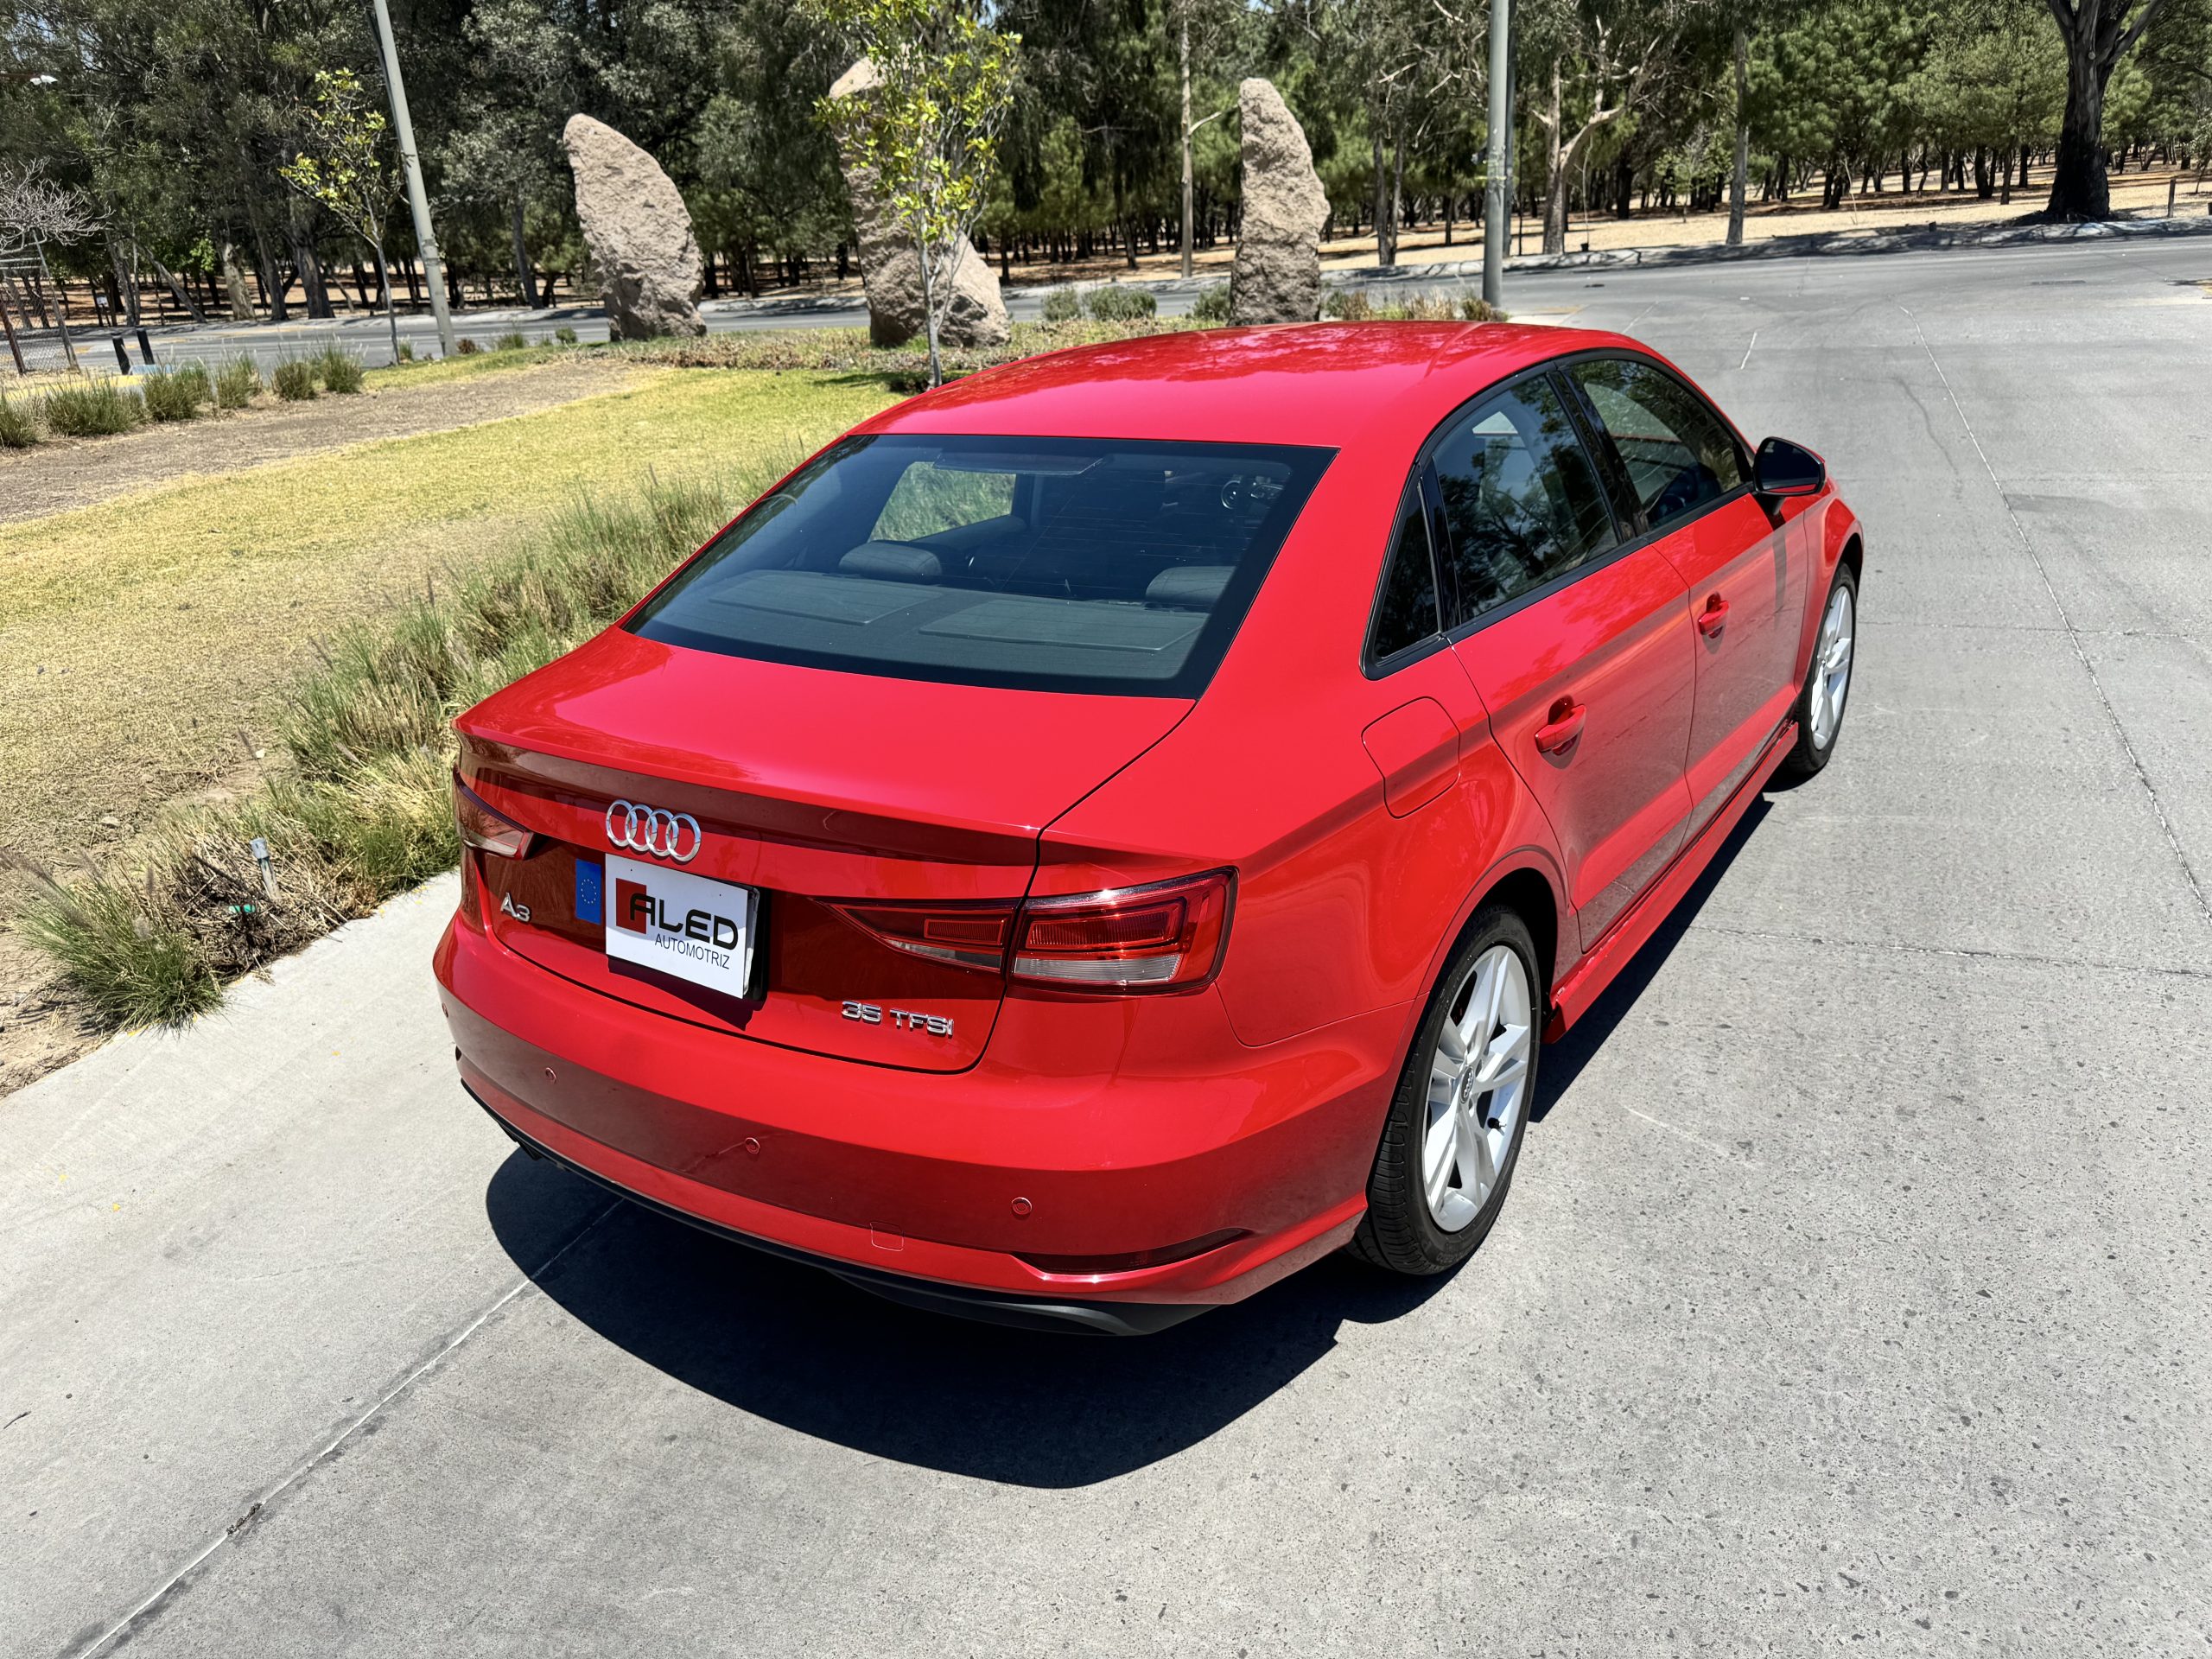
(485, 830)
(969, 936)
(1166, 935)
(1163, 936)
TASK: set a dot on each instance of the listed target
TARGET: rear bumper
(937, 1188)
(1108, 1318)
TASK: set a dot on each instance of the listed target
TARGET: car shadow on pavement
(797, 1347)
(1564, 1059)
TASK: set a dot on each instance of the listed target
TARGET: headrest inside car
(893, 562)
(1188, 586)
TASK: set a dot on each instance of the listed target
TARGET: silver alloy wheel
(1832, 668)
(1478, 1088)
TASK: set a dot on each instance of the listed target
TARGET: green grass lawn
(140, 637)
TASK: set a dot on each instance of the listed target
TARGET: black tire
(1807, 757)
(1399, 1233)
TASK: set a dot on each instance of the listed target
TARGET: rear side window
(1406, 613)
(1679, 454)
(1121, 567)
(1521, 501)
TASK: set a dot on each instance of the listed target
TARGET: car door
(1580, 643)
(1688, 480)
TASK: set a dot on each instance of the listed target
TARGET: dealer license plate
(691, 927)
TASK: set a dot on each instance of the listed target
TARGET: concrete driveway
(1854, 1287)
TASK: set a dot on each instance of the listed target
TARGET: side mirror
(1785, 468)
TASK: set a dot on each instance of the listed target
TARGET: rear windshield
(1053, 564)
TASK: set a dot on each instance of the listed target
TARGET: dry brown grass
(139, 636)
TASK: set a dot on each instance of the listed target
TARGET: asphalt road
(1855, 1284)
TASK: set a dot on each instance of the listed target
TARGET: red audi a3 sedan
(1108, 832)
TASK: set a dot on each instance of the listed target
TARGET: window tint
(1406, 614)
(1065, 565)
(1521, 501)
(1679, 454)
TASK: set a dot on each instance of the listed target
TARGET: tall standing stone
(639, 232)
(1276, 276)
(891, 270)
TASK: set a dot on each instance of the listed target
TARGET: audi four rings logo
(654, 829)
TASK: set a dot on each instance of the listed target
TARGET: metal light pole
(433, 271)
(1187, 147)
(1498, 199)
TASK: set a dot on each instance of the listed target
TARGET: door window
(1521, 501)
(1678, 454)
(1406, 614)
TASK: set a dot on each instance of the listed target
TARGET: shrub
(339, 369)
(236, 381)
(1419, 307)
(127, 967)
(466, 348)
(405, 354)
(1113, 304)
(565, 334)
(294, 381)
(175, 394)
(1348, 305)
(512, 340)
(1475, 309)
(1062, 305)
(1211, 307)
(93, 408)
(18, 423)
(391, 686)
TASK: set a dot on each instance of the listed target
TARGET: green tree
(929, 129)
(341, 167)
(2096, 34)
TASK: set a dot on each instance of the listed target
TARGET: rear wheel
(1461, 1109)
(1827, 681)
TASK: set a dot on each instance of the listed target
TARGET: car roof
(1327, 383)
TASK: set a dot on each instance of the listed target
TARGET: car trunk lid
(810, 787)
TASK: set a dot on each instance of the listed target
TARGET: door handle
(1561, 726)
(1713, 617)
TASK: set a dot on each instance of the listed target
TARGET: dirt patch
(38, 1034)
(65, 473)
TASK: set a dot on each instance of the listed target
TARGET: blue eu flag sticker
(589, 882)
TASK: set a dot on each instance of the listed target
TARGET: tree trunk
(234, 284)
(1555, 171)
(310, 265)
(7, 327)
(1386, 243)
(384, 287)
(929, 314)
(61, 309)
(183, 294)
(123, 287)
(2078, 188)
(272, 277)
(1739, 179)
(1397, 189)
(523, 276)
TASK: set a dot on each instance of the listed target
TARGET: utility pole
(434, 271)
(1498, 201)
(1186, 10)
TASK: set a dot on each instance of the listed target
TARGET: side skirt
(1583, 983)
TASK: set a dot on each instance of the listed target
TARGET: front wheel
(1828, 682)
(1457, 1120)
